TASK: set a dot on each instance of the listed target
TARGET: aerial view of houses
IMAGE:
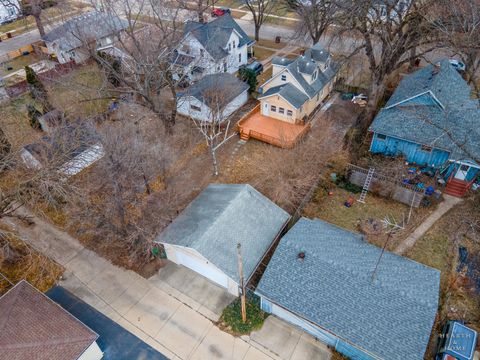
(254, 180)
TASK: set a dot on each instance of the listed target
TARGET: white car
(460, 66)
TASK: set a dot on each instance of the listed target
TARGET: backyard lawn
(262, 53)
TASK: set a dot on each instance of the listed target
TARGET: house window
(195, 108)
(224, 66)
(239, 57)
(273, 108)
(289, 113)
(314, 76)
(229, 47)
(202, 52)
(426, 148)
(234, 44)
(284, 77)
(381, 137)
(281, 110)
(318, 96)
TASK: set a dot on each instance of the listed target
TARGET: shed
(321, 279)
(35, 327)
(205, 235)
(213, 98)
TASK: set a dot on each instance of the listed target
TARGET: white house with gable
(9, 10)
(208, 48)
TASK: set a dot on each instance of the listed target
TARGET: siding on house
(471, 173)
(413, 152)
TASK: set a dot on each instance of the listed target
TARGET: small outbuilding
(348, 294)
(34, 327)
(205, 235)
(213, 98)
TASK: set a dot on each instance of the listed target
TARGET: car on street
(220, 11)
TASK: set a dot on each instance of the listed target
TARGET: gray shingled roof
(331, 287)
(307, 64)
(223, 216)
(277, 60)
(93, 24)
(225, 84)
(215, 34)
(433, 107)
(289, 92)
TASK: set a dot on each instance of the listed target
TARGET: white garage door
(203, 268)
(308, 327)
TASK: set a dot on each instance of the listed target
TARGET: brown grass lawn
(83, 92)
(271, 44)
(262, 53)
(21, 261)
(459, 298)
(19, 63)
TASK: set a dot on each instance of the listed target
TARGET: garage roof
(390, 317)
(223, 216)
(33, 327)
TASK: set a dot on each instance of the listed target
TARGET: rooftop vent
(301, 255)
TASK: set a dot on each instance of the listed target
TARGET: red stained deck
(270, 130)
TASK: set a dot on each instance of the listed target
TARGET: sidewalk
(448, 203)
(169, 321)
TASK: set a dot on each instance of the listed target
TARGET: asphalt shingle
(289, 92)
(391, 316)
(223, 216)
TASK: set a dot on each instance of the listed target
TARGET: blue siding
(395, 147)
(471, 174)
(321, 335)
(352, 352)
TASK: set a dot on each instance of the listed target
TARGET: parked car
(220, 11)
(460, 66)
(256, 66)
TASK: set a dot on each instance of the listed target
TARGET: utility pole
(242, 283)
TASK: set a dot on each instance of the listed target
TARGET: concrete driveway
(191, 285)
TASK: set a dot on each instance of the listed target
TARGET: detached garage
(205, 235)
(213, 98)
(321, 279)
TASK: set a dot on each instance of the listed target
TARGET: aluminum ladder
(366, 185)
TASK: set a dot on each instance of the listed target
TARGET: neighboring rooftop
(314, 58)
(289, 92)
(85, 27)
(223, 216)
(214, 35)
(390, 317)
(34, 327)
(219, 88)
(433, 107)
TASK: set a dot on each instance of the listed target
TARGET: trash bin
(9, 35)
(277, 39)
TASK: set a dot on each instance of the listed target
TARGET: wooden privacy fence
(386, 186)
(19, 52)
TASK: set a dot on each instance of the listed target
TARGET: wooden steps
(456, 187)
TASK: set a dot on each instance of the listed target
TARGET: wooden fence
(386, 186)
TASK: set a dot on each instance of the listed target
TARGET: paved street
(179, 320)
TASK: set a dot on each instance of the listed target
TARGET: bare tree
(201, 6)
(210, 105)
(147, 50)
(316, 16)
(458, 23)
(393, 35)
(260, 10)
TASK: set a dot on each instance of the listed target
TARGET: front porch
(460, 176)
(272, 131)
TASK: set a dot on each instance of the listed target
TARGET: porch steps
(456, 187)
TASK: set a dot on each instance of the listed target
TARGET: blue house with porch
(432, 120)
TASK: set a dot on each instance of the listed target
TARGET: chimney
(436, 68)
(301, 255)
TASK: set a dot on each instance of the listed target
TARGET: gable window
(381, 137)
(289, 113)
(281, 110)
(195, 108)
(234, 44)
(202, 52)
(426, 148)
(239, 57)
(284, 77)
(273, 108)
(314, 76)
(224, 66)
(229, 47)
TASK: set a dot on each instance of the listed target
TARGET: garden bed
(231, 319)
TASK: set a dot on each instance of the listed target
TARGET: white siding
(8, 10)
(196, 262)
(185, 104)
(93, 352)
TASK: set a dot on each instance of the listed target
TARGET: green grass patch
(231, 319)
